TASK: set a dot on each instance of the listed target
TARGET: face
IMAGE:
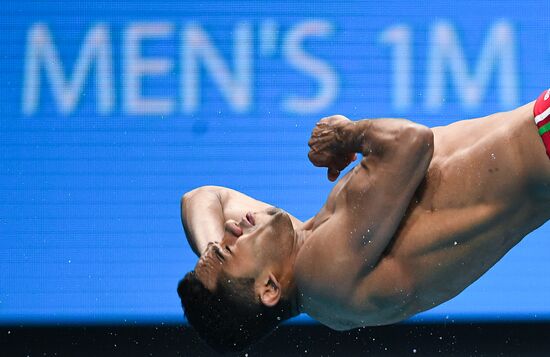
(259, 241)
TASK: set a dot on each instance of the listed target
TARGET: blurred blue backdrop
(110, 111)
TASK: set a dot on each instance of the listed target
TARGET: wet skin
(258, 239)
(409, 227)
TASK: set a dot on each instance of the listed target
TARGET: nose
(232, 228)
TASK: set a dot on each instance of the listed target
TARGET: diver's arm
(396, 156)
(202, 217)
(205, 210)
(370, 202)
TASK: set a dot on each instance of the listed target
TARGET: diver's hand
(328, 145)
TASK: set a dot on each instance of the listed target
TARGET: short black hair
(230, 318)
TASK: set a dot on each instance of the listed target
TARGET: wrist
(354, 136)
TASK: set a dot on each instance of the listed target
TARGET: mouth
(250, 219)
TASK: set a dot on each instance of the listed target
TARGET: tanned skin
(424, 214)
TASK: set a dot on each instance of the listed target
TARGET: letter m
(497, 56)
(42, 54)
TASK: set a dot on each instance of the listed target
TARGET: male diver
(424, 214)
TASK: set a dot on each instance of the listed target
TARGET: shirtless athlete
(423, 215)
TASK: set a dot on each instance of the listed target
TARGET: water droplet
(493, 156)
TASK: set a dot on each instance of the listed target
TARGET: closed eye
(218, 253)
(273, 210)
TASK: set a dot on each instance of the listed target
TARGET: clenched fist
(329, 145)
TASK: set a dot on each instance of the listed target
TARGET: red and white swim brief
(541, 113)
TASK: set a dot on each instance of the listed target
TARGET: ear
(270, 291)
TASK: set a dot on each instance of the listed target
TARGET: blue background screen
(110, 111)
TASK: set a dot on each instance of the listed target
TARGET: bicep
(374, 202)
(236, 204)
(205, 210)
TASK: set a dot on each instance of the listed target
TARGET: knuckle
(332, 118)
(339, 117)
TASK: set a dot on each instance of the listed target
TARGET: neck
(301, 235)
(295, 303)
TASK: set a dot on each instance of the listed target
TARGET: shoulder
(326, 273)
(346, 299)
(323, 304)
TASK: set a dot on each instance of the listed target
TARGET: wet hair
(230, 318)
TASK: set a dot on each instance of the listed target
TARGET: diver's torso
(486, 188)
(478, 200)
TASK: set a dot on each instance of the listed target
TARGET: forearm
(335, 140)
(397, 154)
(380, 136)
(202, 217)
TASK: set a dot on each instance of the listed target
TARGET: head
(242, 286)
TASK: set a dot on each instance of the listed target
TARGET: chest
(468, 198)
